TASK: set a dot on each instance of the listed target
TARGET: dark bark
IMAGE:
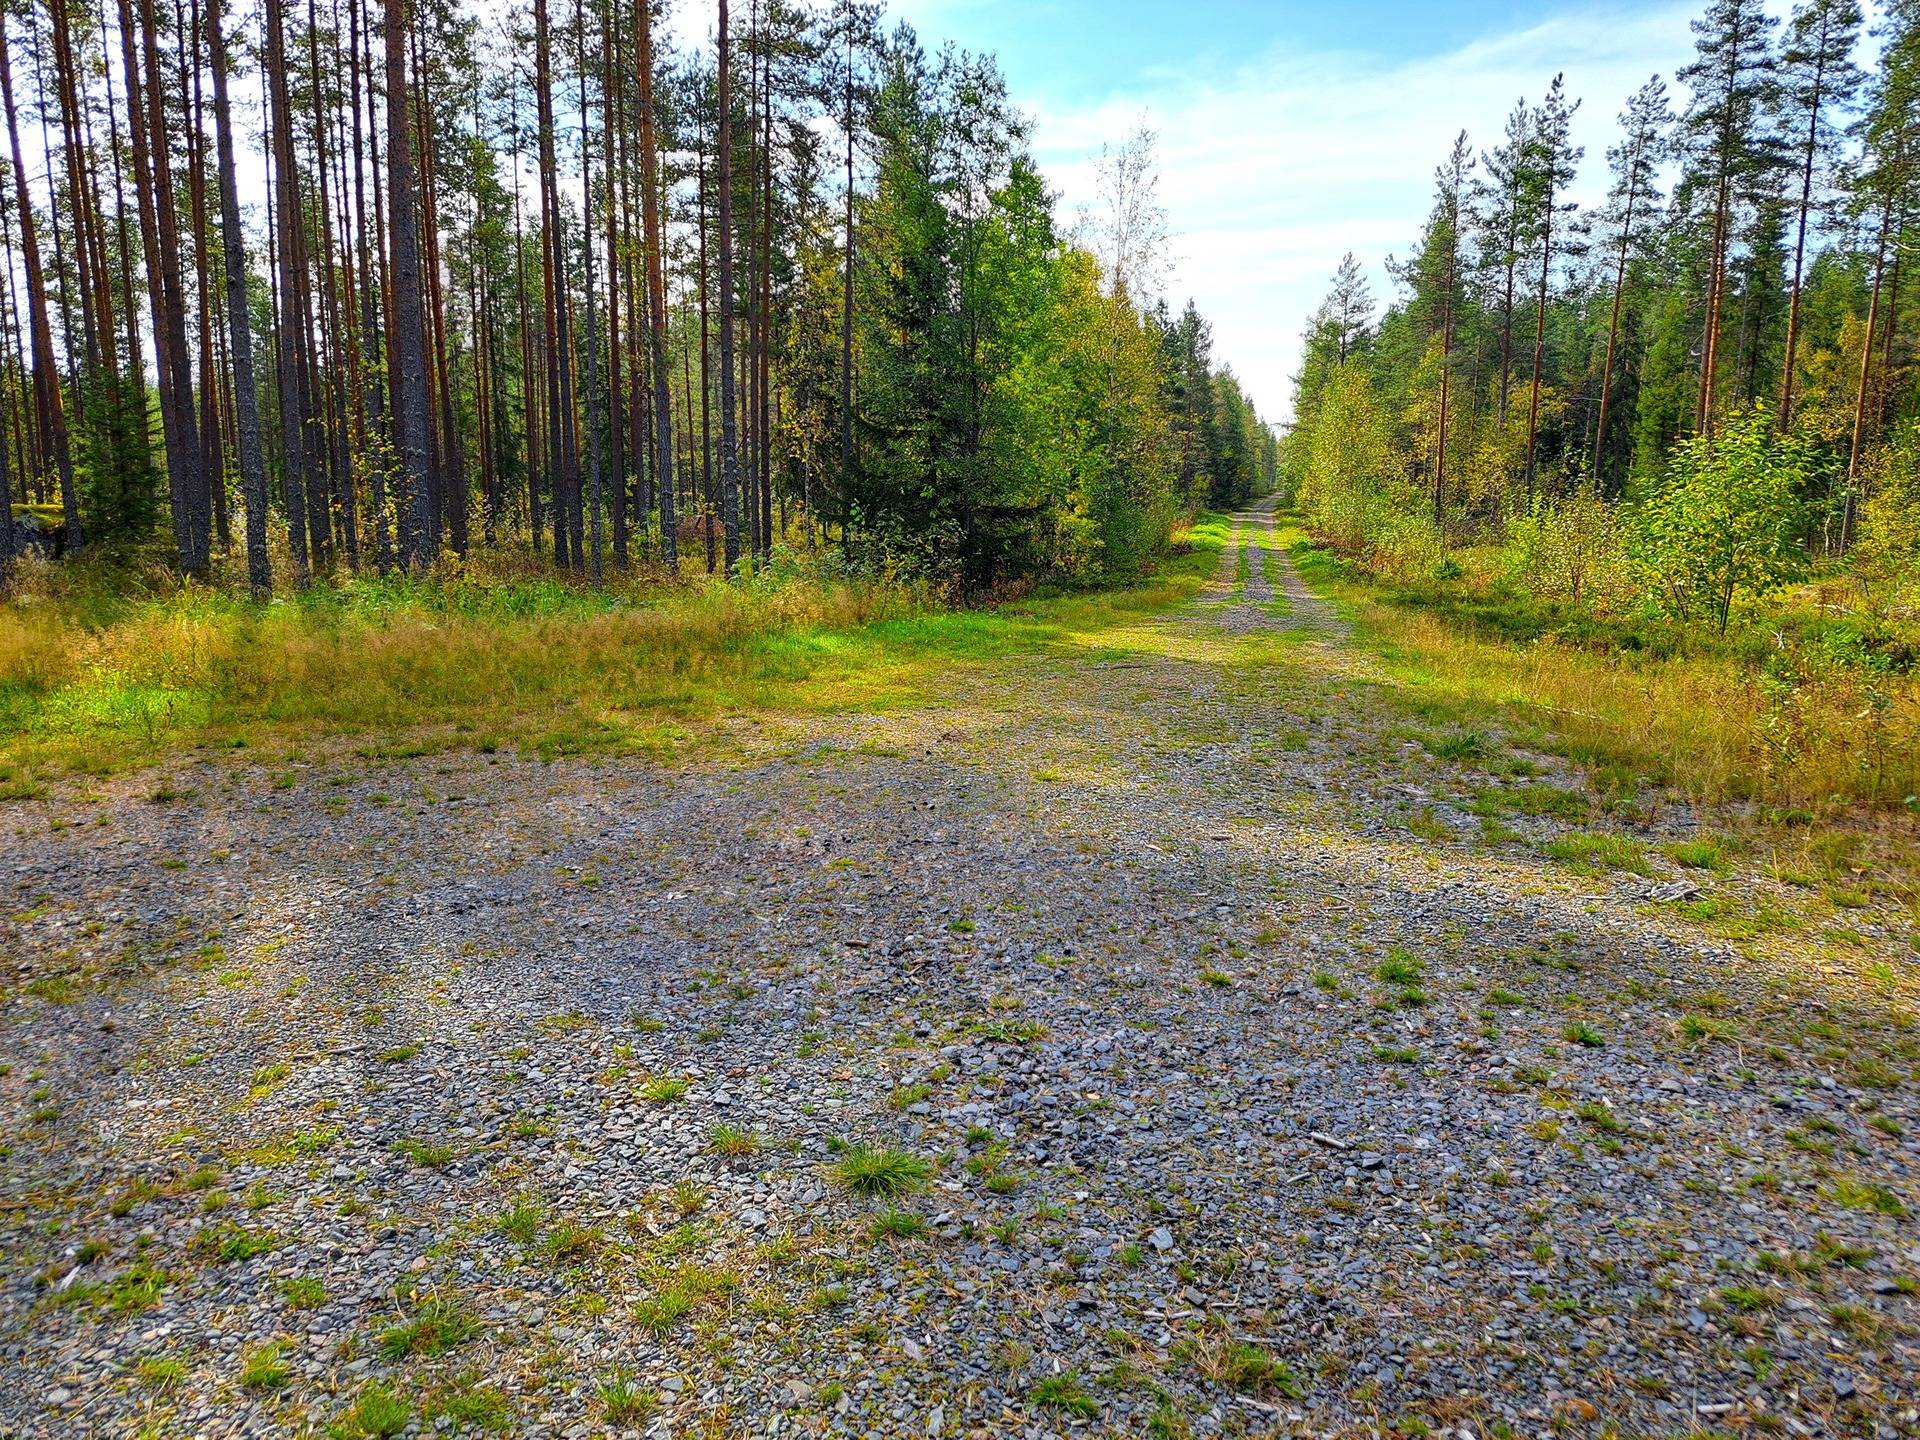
(408, 324)
(246, 405)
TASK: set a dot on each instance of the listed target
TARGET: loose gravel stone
(1205, 1096)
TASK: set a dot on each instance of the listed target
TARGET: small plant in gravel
(520, 1222)
(264, 1367)
(229, 1242)
(437, 1326)
(1697, 1029)
(1601, 1117)
(1219, 979)
(569, 1240)
(136, 1194)
(1243, 1366)
(624, 1403)
(303, 1292)
(733, 1142)
(687, 1197)
(1581, 1033)
(1063, 1393)
(879, 1171)
(892, 1224)
(1396, 1054)
(467, 1405)
(376, 1414)
(160, 1372)
(425, 1155)
(1594, 853)
(665, 1089)
(1856, 1194)
(660, 1313)
(398, 1055)
(902, 1096)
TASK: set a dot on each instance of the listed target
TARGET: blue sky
(1291, 133)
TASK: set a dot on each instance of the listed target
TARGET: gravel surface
(1258, 1086)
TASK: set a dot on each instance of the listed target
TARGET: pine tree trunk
(1613, 340)
(49, 404)
(729, 419)
(846, 301)
(153, 191)
(656, 295)
(233, 244)
(408, 325)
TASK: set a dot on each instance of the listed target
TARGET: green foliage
(1725, 521)
(879, 1171)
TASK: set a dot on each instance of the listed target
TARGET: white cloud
(1274, 168)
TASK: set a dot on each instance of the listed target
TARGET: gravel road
(1234, 1077)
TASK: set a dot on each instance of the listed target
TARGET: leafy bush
(1726, 521)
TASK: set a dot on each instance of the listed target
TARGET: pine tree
(1818, 81)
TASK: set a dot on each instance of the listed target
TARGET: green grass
(264, 1368)
(435, 1327)
(623, 1403)
(665, 1089)
(880, 1172)
(424, 1154)
(375, 1414)
(1594, 853)
(93, 682)
(891, 1224)
(1063, 1393)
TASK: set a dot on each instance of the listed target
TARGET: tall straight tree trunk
(409, 334)
(613, 125)
(528, 410)
(1540, 333)
(1613, 337)
(325, 355)
(1807, 156)
(366, 342)
(1446, 379)
(1864, 385)
(729, 419)
(846, 302)
(213, 461)
(446, 461)
(49, 404)
(764, 422)
(561, 459)
(1717, 260)
(296, 478)
(656, 294)
(159, 235)
(1891, 329)
(587, 242)
(1506, 316)
(706, 417)
(233, 244)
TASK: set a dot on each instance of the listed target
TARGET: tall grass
(94, 679)
(1794, 733)
(88, 685)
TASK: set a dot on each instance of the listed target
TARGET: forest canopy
(530, 282)
(1679, 399)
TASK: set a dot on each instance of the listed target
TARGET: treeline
(1679, 399)
(536, 282)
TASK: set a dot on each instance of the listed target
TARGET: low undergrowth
(94, 683)
(1747, 720)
